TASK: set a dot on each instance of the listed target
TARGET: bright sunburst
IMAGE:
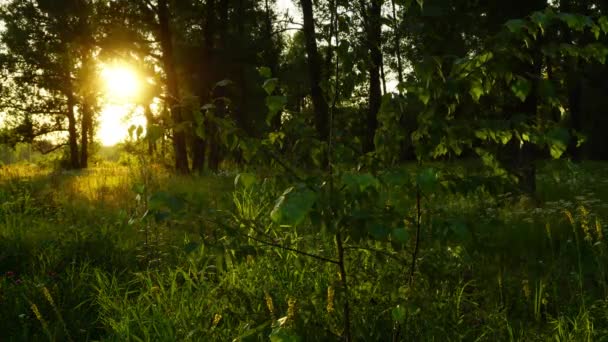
(122, 83)
(122, 86)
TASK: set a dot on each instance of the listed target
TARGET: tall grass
(71, 265)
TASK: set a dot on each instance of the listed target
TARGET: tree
(43, 58)
(314, 71)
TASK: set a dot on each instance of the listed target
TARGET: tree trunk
(72, 134)
(213, 138)
(397, 45)
(206, 77)
(573, 84)
(85, 125)
(314, 72)
(173, 96)
(271, 58)
(374, 35)
(149, 123)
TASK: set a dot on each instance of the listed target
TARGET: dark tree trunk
(85, 126)
(213, 139)
(149, 123)
(397, 45)
(383, 78)
(72, 134)
(173, 96)
(374, 36)
(573, 83)
(314, 72)
(206, 77)
(575, 105)
(272, 57)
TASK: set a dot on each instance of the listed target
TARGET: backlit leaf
(293, 205)
(521, 88)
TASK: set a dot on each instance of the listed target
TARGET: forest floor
(136, 254)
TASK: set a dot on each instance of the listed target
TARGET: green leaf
(558, 139)
(378, 231)
(515, 25)
(395, 178)
(521, 88)
(139, 131)
(476, 90)
(293, 205)
(603, 22)
(245, 179)
(460, 230)
(270, 85)
(399, 314)
(576, 22)
(542, 19)
(131, 130)
(164, 200)
(191, 247)
(427, 180)
(275, 104)
(154, 133)
(400, 235)
(223, 83)
(265, 72)
(360, 181)
(281, 334)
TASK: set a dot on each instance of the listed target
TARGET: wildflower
(585, 223)
(330, 299)
(598, 229)
(48, 296)
(269, 303)
(569, 216)
(216, 319)
(291, 309)
(526, 288)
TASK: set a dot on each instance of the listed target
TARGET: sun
(122, 83)
(122, 87)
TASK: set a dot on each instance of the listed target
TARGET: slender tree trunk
(374, 36)
(332, 29)
(173, 96)
(206, 77)
(72, 133)
(272, 57)
(220, 109)
(85, 125)
(314, 71)
(383, 78)
(573, 84)
(397, 36)
(149, 123)
(574, 104)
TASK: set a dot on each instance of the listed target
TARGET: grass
(112, 254)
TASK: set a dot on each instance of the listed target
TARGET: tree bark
(72, 133)
(374, 36)
(314, 72)
(173, 96)
(219, 92)
(85, 125)
(149, 123)
(206, 77)
(397, 45)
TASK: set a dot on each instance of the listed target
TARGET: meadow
(137, 254)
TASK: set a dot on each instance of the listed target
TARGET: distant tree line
(397, 79)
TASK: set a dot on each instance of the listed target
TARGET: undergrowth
(112, 254)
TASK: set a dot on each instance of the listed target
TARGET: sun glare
(122, 85)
